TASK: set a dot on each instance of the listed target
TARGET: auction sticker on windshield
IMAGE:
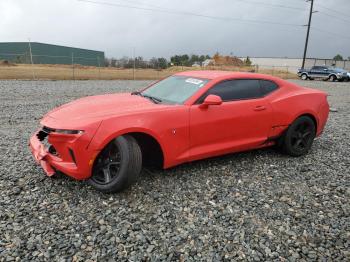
(194, 81)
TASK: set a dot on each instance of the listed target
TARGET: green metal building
(19, 52)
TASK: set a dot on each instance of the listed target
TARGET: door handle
(259, 108)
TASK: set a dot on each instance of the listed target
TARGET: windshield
(175, 89)
(339, 70)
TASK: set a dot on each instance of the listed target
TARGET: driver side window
(238, 89)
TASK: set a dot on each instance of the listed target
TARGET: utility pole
(134, 67)
(308, 32)
(73, 73)
(99, 68)
(31, 57)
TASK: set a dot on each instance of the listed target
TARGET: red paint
(201, 131)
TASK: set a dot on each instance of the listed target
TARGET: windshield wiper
(154, 99)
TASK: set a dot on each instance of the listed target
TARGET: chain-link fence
(345, 64)
(23, 66)
(27, 58)
(45, 66)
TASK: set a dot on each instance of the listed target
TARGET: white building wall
(292, 64)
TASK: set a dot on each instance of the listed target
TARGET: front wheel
(304, 77)
(117, 166)
(299, 137)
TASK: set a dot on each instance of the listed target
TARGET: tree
(158, 63)
(176, 60)
(194, 59)
(113, 62)
(180, 60)
(247, 61)
(162, 63)
(107, 62)
(338, 57)
(122, 63)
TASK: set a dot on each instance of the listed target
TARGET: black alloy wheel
(107, 165)
(299, 137)
(117, 166)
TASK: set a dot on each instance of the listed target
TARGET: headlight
(68, 132)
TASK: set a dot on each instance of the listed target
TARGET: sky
(162, 28)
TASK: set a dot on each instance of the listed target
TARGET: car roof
(214, 74)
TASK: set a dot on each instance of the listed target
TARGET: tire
(304, 77)
(332, 78)
(117, 166)
(299, 137)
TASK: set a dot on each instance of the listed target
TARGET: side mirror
(211, 100)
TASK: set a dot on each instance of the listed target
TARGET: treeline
(186, 60)
(138, 62)
(156, 62)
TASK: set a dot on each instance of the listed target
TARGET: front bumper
(41, 155)
(77, 166)
(342, 77)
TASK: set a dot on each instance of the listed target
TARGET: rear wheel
(332, 78)
(117, 166)
(299, 137)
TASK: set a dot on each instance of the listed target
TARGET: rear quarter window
(267, 87)
(237, 89)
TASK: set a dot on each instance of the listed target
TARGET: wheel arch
(333, 75)
(310, 115)
(306, 74)
(152, 150)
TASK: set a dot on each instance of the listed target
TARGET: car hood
(96, 108)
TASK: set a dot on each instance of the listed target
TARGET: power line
(178, 12)
(332, 10)
(271, 5)
(170, 11)
(331, 33)
(146, 4)
(297, 9)
(333, 16)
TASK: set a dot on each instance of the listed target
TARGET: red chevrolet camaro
(106, 139)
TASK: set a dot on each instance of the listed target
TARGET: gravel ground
(257, 205)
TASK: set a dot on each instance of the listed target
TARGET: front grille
(42, 136)
(44, 132)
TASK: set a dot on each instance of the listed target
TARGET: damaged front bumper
(41, 155)
(66, 153)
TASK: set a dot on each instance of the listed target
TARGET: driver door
(240, 123)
